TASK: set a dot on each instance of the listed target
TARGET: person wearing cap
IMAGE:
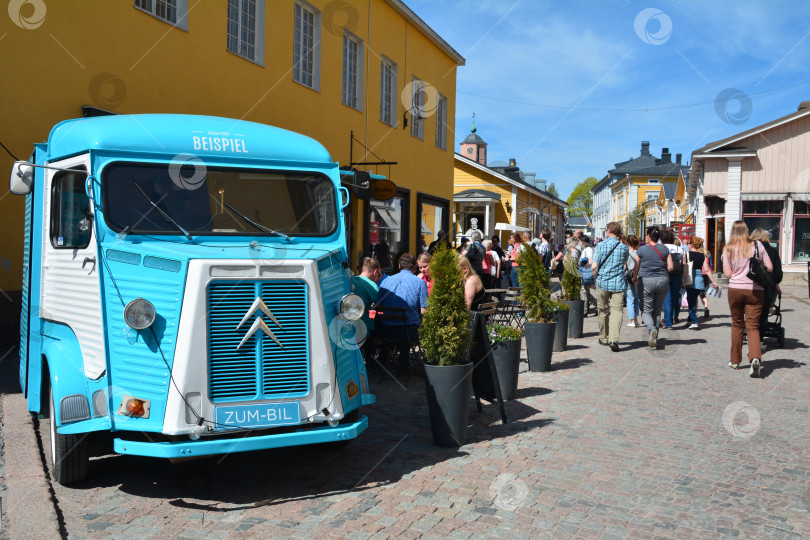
(462, 247)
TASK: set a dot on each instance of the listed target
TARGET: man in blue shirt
(609, 259)
(403, 290)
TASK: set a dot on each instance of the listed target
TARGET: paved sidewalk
(639, 444)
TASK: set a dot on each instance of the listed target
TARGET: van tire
(69, 457)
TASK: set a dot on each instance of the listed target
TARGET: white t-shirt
(587, 253)
(495, 260)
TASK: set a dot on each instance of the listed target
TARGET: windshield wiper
(162, 213)
(260, 227)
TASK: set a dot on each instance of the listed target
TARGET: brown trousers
(746, 308)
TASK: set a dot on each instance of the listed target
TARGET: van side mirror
(362, 185)
(22, 178)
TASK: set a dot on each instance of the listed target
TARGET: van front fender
(62, 361)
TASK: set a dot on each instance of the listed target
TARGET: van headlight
(139, 314)
(352, 307)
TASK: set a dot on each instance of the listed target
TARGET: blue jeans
(632, 301)
(672, 303)
(514, 277)
(692, 293)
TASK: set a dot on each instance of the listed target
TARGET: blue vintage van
(186, 288)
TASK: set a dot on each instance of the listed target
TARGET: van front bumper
(202, 447)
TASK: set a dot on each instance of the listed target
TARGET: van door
(71, 292)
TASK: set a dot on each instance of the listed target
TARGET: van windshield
(217, 201)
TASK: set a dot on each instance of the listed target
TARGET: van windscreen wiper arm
(260, 227)
(163, 214)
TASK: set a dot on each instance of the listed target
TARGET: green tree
(580, 202)
(632, 222)
(552, 189)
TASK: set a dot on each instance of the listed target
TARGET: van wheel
(69, 457)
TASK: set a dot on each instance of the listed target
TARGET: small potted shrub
(571, 284)
(540, 309)
(505, 344)
(561, 333)
(444, 337)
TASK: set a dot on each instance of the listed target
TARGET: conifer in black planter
(444, 337)
(540, 308)
(571, 285)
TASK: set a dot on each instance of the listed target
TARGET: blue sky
(570, 88)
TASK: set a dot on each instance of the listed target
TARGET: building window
(653, 180)
(652, 196)
(388, 91)
(71, 219)
(174, 12)
(441, 122)
(418, 100)
(434, 214)
(307, 46)
(765, 215)
(352, 71)
(387, 228)
(246, 29)
(801, 231)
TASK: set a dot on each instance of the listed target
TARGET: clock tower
(474, 147)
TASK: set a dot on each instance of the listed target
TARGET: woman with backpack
(586, 275)
(672, 302)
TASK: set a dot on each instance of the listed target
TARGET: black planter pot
(576, 316)
(539, 344)
(561, 334)
(448, 390)
(507, 363)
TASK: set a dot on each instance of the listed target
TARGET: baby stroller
(773, 329)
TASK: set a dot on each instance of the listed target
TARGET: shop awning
(509, 227)
(762, 196)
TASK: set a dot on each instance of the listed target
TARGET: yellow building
(643, 182)
(369, 80)
(501, 199)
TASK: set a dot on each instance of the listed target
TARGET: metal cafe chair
(400, 317)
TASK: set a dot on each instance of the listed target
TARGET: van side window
(69, 206)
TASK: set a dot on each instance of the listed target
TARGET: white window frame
(243, 36)
(651, 196)
(301, 49)
(417, 122)
(180, 8)
(388, 96)
(441, 122)
(352, 88)
(653, 180)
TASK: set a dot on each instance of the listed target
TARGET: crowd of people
(653, 278)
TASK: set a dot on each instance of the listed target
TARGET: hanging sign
(374, 232)
(383, 190)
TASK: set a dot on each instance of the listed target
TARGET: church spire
(473, 129)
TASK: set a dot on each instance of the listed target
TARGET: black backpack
(677, 263)
(475, 254)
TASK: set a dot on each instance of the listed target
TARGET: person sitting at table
(405, 291)
(423, 262)
(365, 286)
(474, 293)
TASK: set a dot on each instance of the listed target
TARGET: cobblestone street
(639, 444)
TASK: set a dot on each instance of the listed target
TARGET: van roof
(173, 134)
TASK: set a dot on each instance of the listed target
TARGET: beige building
(761, 176)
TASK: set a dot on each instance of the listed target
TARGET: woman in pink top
(745, 298)
(423, 264)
